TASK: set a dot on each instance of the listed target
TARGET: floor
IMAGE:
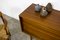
(15, 29)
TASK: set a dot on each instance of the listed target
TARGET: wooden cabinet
(45, 28)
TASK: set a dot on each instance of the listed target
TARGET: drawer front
(43, 27)
(32, 30)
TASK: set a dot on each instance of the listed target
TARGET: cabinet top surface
(52, 20)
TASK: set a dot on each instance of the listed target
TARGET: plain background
(13, 8)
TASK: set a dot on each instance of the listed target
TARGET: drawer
(37, 32)
(42, 27)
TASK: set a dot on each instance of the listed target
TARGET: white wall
(14, 7)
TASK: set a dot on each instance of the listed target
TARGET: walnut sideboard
(44, 28)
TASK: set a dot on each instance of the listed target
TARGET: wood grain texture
(46, 28)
